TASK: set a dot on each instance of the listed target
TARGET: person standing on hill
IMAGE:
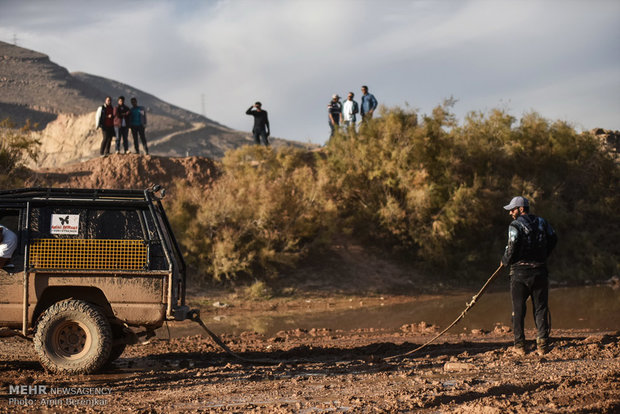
(369, 104)
(349, 111)
(261, 129)
(334, 112)
(104, 119)
(121, 125)
(530, 242)
(137, 123)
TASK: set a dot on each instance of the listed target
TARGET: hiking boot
(542, 346)
(518, 349)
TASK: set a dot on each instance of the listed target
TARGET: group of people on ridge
(339, 114)
(346, 113)
(117, 121)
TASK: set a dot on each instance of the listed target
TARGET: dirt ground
(322, 370)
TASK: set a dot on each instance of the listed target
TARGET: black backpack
(533, 243)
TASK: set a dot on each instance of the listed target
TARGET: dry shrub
(436, 188)
(423, 185)
(265, 211)
(16, 146)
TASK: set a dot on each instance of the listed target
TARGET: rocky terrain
(63, 106)
(323, 370)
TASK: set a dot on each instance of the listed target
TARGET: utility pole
(202, 99)
(14, 39)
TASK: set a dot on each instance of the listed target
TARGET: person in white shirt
(8, 243)
(349, 110)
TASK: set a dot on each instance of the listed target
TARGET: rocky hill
(63, 104)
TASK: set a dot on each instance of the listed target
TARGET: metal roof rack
(25, 194)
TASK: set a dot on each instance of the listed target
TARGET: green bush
(265, 211)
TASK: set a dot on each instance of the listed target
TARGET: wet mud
(601, 314)
(327, 370)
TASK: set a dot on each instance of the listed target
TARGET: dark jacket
(121, 113)
(261, 121)
(530, 242)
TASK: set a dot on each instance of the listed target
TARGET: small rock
(592, 339)
(614, 281)
(458, 366)
(502, 329)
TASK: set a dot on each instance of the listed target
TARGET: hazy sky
(560, 58)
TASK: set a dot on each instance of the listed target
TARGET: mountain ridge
(62, 106)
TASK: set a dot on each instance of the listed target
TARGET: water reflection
(590, 307)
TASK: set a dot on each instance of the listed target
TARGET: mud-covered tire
(116, 352)
(117, 349)
(73, 337)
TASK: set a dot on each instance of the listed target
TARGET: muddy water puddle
(590, 307)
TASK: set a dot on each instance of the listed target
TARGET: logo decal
(65, 224)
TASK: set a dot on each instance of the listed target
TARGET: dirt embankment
(129, 171)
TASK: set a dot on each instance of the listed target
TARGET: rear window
(84, 223)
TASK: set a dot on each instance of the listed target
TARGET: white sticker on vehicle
(65, 223)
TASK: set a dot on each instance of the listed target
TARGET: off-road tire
(73, 337)
(117, 349)
(116, 352)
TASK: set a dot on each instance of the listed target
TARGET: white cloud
(292, 55)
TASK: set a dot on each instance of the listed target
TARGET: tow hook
(194, 315)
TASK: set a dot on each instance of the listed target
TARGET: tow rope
(468, 306)
(196, 318)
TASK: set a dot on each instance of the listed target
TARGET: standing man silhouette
(121, 125)
(137, 123)
(261, 129)
(104, 119)
(530, 242)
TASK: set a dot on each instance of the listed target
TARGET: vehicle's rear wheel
(73, 337)
(117, 349)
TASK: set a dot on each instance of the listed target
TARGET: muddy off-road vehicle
(90, 265)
